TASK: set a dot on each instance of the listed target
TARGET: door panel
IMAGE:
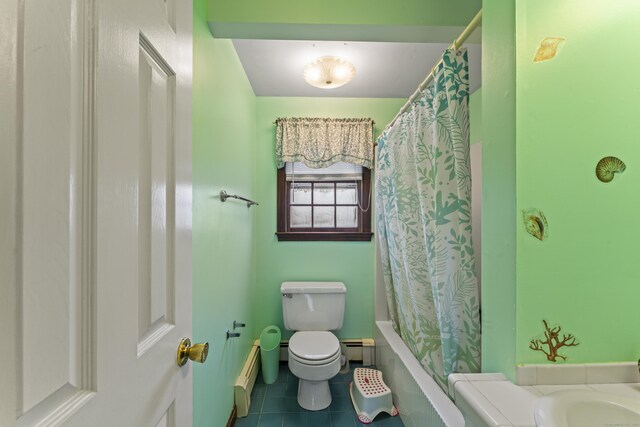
(53, 286)
(96, 207)
(169, 7)
(156, 196)
(168, 419)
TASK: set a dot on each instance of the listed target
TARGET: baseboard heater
(359, 350)
(247, 379)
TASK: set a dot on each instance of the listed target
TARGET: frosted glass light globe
(329, 72)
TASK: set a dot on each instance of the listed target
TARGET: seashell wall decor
(535, 223)
(607, 167)
(547, 49)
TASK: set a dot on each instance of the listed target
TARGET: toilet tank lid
(313, 288)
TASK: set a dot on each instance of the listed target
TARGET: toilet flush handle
(288, 295)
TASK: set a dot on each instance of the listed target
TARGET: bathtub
(420, 401)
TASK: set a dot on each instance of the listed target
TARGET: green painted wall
(353, 12)
(348, 262)
(572, 111)
(475, 116)
(224, 117)
(355, 20)
(499, 191)
(545, 126)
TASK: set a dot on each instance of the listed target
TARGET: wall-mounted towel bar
(224, 196)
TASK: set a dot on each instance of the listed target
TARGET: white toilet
(312, 309)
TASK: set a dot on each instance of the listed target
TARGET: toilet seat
(314, 347)
(314, 362)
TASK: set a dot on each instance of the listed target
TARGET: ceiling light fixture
(329, 72)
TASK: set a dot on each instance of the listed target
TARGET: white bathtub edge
(441, 403)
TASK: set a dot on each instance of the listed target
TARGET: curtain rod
(455, 46)
(372, 122)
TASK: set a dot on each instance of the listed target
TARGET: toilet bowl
(313, 310)
(314, 357)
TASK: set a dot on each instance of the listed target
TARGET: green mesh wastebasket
(270, 353)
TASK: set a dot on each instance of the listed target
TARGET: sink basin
(586, 408)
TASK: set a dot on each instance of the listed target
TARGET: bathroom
(531, 127)
(542, 126)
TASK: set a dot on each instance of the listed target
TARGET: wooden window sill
(337, 236)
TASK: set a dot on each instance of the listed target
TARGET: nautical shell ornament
(608, 167)
(548, 49)
(535, 223)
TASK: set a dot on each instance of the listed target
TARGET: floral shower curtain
(423, 208)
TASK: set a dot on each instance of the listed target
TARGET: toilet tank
(313, 306)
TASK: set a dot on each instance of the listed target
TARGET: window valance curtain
(321, 142)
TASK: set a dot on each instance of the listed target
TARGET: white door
(95, 212)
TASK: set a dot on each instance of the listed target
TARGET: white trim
(589, 373)
(401, 368)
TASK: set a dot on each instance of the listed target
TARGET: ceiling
(383, 70)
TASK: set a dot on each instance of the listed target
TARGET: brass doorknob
(196, 352)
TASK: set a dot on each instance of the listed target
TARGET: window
(332, 203)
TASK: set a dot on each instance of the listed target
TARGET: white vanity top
(491, 400)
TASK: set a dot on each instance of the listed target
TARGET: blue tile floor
(276, 405)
